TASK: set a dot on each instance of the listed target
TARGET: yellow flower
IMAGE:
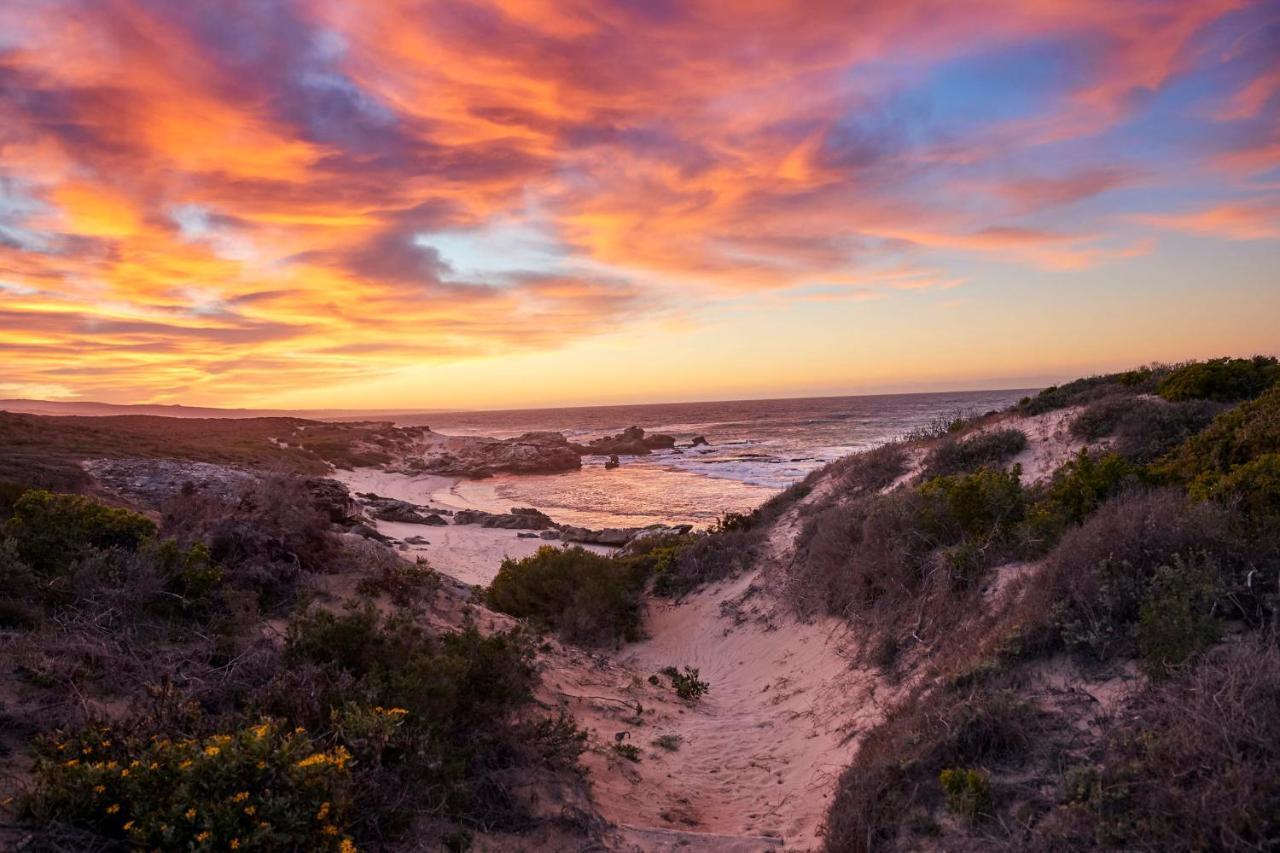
(72, 763)
(260, 731)
(235, 844)
(240, 797)
(347, 846)
(98, 789)
(190, 814)
(250, 810)
(113, 808)
(211, 750)
(203, 837)
(398, 711)
(330, 830)
(124, 773)
(128, 826)
(313, 759)
(185, 764)
(323, 812)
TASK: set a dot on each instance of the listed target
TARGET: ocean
(755, 448)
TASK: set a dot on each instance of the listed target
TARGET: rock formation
(632, 441)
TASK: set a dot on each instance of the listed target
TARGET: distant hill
(91, 409)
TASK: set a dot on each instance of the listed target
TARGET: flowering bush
(258, 788)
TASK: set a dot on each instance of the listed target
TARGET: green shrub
(1254, 487)
(1176, 620)
(256, 788)
(1089, 389)
(982, 505)
(1079, 487)
(958, 456)
(1144, 429)
(687, 684)
(968, 792)
(51, 530)
(1235, 437)
(585, 597)
(669, 742)
(1222, 379)
(627, 751)
(462, 699)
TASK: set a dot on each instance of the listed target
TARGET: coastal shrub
(1235, 437)
(987, 449)
(1077, 489)
(51, 530)
(1143, 429)
(404, 583)
(669, 742)
(687, 684)
(1143, 380)
(941, 425)
(892, 785)
(1090, 591)
(462, 722)
(1193, 765)
(1176, 619)
(584, 597)
(1222, 379)
(265, 540)
(627, 751)
(968, 792)
(979, 506)
(256, 788)
(1253, 487)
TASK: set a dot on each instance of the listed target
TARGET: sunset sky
(420, 204)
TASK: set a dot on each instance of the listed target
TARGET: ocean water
(755, 448)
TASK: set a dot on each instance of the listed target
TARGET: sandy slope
(759, 756)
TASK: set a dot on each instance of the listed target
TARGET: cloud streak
(223, 198)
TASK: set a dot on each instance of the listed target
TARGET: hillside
(1051, 628)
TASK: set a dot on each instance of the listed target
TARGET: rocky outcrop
(618, 536)
(632, 441)
(520, 518)
(332, 499)
(699, 441)
(403, 512)
(531, 453)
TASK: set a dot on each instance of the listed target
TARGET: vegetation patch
(584, 597)
(687, 684)
(1225, 380)
(965, 455)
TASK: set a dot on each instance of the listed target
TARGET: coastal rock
(520, 518)
(632, 441)
(614, 536)
(700, 441)
(531, 453)
(332, 499)
(390, 509)
(550, 534)
(612, 463)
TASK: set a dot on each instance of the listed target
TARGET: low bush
(896, 772)
(968, 792)
(687, 684)
(1176, 619)
(1194, 765)
(584, 597)
(51, 530)
(669, 742)
(627, 752)
(1081, 391)
(1236, 437)
(463, 698)
(1077, 489)
(256, 788)
(962, 456)
(1144, 429)
(1224, 380)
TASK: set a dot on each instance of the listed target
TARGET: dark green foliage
(972, 507)
(1235, 437)
(627, 751)
(1224, 380)
(1253, 487)
(1078, 488)
(259, 787)
(1082, 391)
(459, 696)
(988, 449)
(584, 597)
(968, 792)
(1194, 765)
(50, 531)
(1144, 429)
(895, 773)
(1176, 619)
(687, 684)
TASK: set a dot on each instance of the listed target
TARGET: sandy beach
(470, 553)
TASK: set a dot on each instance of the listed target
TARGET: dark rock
(526, 535)
(520, 518)
(632, 441)
(403, 512)
(700, 440)
(416, 540)
(612, 463)
(550, 534)
(367, 532)
(615, 536)
(531, 453)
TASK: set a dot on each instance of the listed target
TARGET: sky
(422, 204)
